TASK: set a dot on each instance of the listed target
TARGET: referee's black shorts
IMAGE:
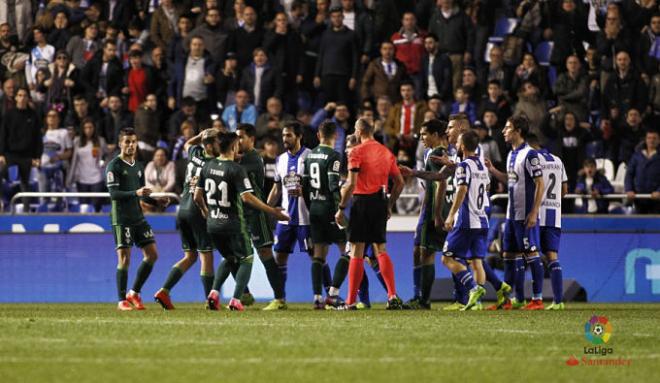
(368, 219)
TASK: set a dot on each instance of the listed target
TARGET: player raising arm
(223, 187)
(125, 181)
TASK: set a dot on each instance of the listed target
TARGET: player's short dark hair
(249, 129)
(123, 132)
(295, 126)
(470, 140)
(109, 42)
(335, 9)
(520, 123)
(533, 140)
(327, 129)
(435, 126)
(226, 141)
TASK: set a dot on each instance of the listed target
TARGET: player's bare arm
(346, 195)
(253, 201)
(196, 140)
(533, 216)
(500, 176)
(274, 194)
(458, 201)
(395, 193)
(440, 191)
(200, 201)
(564, 189)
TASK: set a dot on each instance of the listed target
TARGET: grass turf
(93, 342)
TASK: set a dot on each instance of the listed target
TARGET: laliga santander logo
(598, 330)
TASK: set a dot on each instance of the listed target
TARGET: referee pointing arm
(370, 165)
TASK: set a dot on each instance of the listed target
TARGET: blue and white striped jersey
(472, 212)
(523, 166)
(554, 175)
(289, 171)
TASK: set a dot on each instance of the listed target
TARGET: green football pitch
(95, 343)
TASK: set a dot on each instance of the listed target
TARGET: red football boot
(163, 298)
(213, 300)
(535, 304)
(124, 306)
(235, 305)
(134, 298)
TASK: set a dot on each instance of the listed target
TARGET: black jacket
(271, 85)
(441, 72)
(91, 75)
(338, 54)
(20, 134)
(455, 34)
(243, 44)
(285, 54)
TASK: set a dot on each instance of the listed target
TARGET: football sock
(172, 278)
(283, 273)
(122, 283)
(242, 277)
(556, 279)
(207, 282)
(520, 279)
(327, 276)
(536, 266)
(142, 274)
(274, 277)
(491, 276)
(509, 271)
(317, 276)
(387, 270)
(341, 269)
(465, 277)
(376, 268)
(363, 293)
(224, 269)
(355, 273)
(427, 278)
(417, 285)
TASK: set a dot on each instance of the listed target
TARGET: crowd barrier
(70, 258)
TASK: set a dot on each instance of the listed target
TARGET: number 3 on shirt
(211, 188)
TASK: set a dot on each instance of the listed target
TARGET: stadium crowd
(585, 74)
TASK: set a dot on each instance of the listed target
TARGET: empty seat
(607, 167)
(543, 52)
(503, 27)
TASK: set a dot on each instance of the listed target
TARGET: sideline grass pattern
(95, 343)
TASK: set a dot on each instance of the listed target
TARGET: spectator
(186, 132)
(435, 71)
(260, 80)
(496, 101)
(269, 155)
(227, 81)
(572, 89)
(650, 47)
(455, 32)
(462, 104)
(62, 84)
(350, 14)
(113, 121)
(103, 75)
(488, 144)
(496, 70)
(160, 69)
(21, 143)
(193, 77)
(470, 85)
(81, 49)
(164, 24)
(8, 43)
(74, 117)
(215, 39)
(147, 127)
(631, 133)
(242, 112)
(187, 112)
(337, 65)
(312, 30)
(643, 175)
(270, 122)
(383, 76)
(159, 173)
(593, 183)
(491, 122)
(60, 35)
(57, 150)
(568, 26)
(529, 70)
(176, 47)
(41, 55)
(23, 20)
(573, 139)
(340, 115)
(409, 43)
(532, 105)
(120, 13)
(87, 164)
(140, 81)
(411, 186)
(405, 118)
(285, 50)
(238, 19)
(624, 90)
(7, 97)
(246, 38)
(438, 108)
(610, 40)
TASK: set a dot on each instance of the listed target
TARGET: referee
(370, 165)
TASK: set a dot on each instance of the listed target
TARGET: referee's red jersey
(374, 163)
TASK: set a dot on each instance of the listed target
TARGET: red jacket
(409, 52)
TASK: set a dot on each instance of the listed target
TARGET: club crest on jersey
(140, 173)
(247, 184)
(534, 161)
(335, 166)
(111, 177)
(460, 171)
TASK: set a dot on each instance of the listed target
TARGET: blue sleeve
(533, 164)
(318, 118)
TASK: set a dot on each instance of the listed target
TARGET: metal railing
(66, 195)
(500, 196)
